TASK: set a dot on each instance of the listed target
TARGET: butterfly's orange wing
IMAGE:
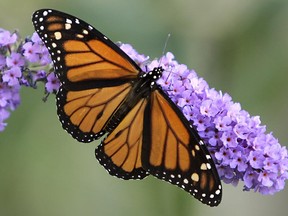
(95, 74)
(120, 152)
(172, 151)
(85, 113)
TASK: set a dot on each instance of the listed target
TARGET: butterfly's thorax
(141, 88)
(147, 82)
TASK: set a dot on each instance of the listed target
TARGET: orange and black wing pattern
(95, 74)
(172, 151)
(120, 152)
(85, 113)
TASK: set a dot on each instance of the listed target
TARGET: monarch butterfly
(103, 91)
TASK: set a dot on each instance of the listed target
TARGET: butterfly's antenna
(163, 51)
(164, 48)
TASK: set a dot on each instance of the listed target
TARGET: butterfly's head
(153, 75)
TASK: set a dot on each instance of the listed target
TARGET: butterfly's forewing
(172, 151)
(120, 152)
(90, 67)
(80, 52)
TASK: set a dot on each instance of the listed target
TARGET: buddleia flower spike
(240, 146)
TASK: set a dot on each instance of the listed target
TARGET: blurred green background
(239, 47)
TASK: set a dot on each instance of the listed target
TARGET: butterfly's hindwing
(85, 113)
(172, 151)
(120, 151)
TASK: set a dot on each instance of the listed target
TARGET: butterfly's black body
(141, 88)
(103, 91)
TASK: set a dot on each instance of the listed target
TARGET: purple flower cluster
(21, 64)
(239, 144)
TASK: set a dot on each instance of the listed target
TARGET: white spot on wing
(67, 26)
(193, 153)
(208, 166)
(201, 142)
(208, 157)
(57, 35)
(68, 21)
(203, 166)
(195, 177)
(79, 36)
